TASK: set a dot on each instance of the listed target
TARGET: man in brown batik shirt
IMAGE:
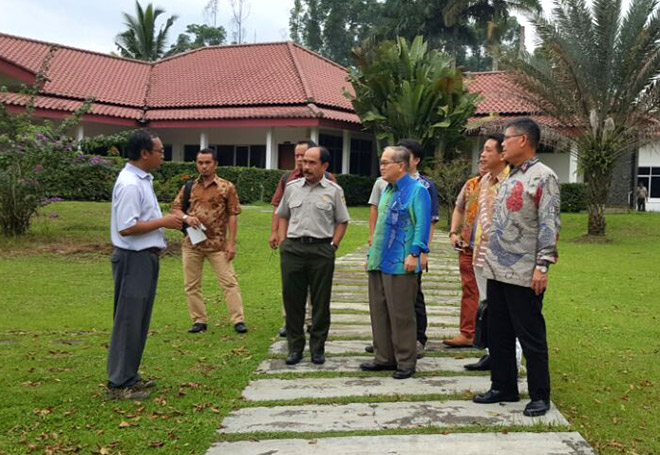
(214, 205)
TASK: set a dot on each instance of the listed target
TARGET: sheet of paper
(196, 234)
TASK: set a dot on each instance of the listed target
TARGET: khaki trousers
(393, 320)
(193, 267)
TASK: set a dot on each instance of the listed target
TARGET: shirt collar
(323, 182)
(215, 180)
(139, 172)
(404, 181)
(526, 165)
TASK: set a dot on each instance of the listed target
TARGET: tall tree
(197, 36)
(312, 34)
(597, 73)
(240, 10)
(140, 40)
(296, 22)
(211, 12)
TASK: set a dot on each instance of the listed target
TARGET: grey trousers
(136, 276)
(393, 320)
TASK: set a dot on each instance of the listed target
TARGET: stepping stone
(365, 319)
(337, 330)
(445, 310)
(427, 444)
(384, 416)
(334, 347)
(352, 364)
(428, 299)
(288, 389)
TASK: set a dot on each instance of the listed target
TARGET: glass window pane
(334, 146)
(168, 152)
(644, 171)
(225, 155)
(242, 155)
(258, 156)
(360, 157)
(655, 187)
(190, 152)
(655, 171)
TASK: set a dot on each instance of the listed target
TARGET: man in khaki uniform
(213, 204)
(312, 222)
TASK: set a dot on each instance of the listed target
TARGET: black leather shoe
(373, 366)
(482, 365)
(197, 327)
(369, 349)
(496, 396)
(403, 374)
(536, 408)
(318, 359)
(240, 327)
(294, 358)
(282, 331)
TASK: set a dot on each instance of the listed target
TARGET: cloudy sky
(93, 24)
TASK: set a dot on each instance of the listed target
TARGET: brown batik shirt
(212, 204)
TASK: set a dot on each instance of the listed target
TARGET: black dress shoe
(403, 374)
(373, 366)
(282, 331)
(197, 327)
(536, 408)
(318, 359)
(482, 365)
(369, 349)
(496, 396)
(240, 327)
(294, 358)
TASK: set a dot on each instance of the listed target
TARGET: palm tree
(140, 40)
(596, 72)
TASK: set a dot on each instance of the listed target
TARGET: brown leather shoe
(459, 341)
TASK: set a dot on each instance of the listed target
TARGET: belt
(154, 250)
(310, 240)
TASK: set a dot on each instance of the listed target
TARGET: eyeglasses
(161, 151)
(387, 163)
(506, 138)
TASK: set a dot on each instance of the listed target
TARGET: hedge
(573, 197)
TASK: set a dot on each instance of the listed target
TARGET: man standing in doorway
(273, 241)
(393, 264)
(642, 197)
(313, 218)
(136, 230)
(523, 244)
(213, 204)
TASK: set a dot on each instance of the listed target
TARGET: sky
(93, 24)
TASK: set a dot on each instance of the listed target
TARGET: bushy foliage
(573, 197)
(356, 188)
(449, 178)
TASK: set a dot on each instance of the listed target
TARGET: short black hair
(209, 151)
(413, 146)
(324, 154)
(529, 128)
(499, 138)
(138, 141)
(308, 142)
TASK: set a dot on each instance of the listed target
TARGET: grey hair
(400, 154)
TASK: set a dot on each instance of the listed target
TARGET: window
(190, 152)
(168, 152)
(361, 156)
(650, 178)
(241, 155)
(334, 144)
(258, 156)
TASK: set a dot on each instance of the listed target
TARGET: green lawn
(55, 318)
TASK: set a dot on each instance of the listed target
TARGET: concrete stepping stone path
(474, 429)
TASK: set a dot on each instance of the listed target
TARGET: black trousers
(303, 267)
(641, 205)
(136, 276)
(515, 311)
(420, 312)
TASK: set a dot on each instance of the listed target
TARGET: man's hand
(172, 221)
(411, 263)
(455, 240)
(274, 240)
(425, 261)
(192, 221)
(539, 281)
(370, 240)
(230, 250)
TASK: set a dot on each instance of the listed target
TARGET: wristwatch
(542, 268)
(414, 255)
(185, 217)
(336, 247)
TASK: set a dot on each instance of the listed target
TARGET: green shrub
(357, 188)
(573, 197)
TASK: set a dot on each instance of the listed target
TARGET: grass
(601, 308)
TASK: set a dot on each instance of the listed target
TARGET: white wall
(649, 155)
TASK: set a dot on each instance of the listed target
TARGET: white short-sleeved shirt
(133, 200)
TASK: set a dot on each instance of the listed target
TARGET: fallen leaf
(157, 444)
(124, 424)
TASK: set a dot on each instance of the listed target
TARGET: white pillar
(476, 151)
(177, 152)
(314, 134)
(80, 133)
(203, 140)
(573, 166)
(269, 148)
(346, 153)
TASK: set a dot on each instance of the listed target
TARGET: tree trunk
(598, 188)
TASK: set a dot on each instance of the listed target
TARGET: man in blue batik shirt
(400, 237)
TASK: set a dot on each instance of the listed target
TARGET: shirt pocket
(326, 211)
(295, 209)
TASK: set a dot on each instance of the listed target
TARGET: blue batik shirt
(402, 228)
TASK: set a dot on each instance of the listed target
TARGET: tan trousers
(193, 266)
(393, 319)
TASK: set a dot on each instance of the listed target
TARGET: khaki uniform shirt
(212, 205)
(313, 210)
